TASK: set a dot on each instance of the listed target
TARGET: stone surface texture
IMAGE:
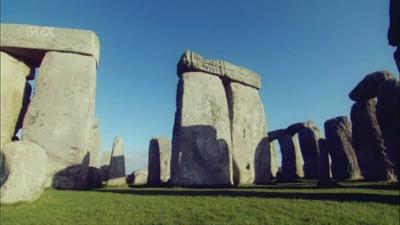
(250, 151)
(368, 142)
(308, 139)
(291, 164)
(201, 151)
(274, 163)
(60, 114)
(324, 174)
(105, 165)
(25, 170)
(339, 141)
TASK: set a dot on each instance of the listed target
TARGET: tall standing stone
(274, 163)
(324, 176)
(13, 87)
(201, 152)
(344, 160)
(288, 151)
(386, 88)
(159, 161)
(60, 115)
(308, 138)
(116, 175)
(250, 152)
(368, 142)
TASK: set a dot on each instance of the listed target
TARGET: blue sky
(309, 53)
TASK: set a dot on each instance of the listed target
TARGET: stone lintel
(193, 62)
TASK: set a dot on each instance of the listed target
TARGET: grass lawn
(294, 203)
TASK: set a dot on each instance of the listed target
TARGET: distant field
(295, 203)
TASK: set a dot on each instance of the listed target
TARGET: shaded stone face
(338, 138)
(25, 165)
(159, 161)
(323, 162)
(291, 164)
(251, 156)
(386, 88)
(274, 163)
(308, 138)
(201, 152)
(14, 91)
(94, 149)
(388, 111)
(273, 135)
(368, 142)
(116, 175)
(60, 115)
(105, 165)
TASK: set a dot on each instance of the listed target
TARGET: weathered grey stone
(274, 163)
(324, 176)
(291, 162)
(159, 161)
(13, 85)
(251, 156)
(32, 42)
(368, 142)
(138, 177)
(94, 149)
(193, 62)
(308, 139)
(116, 175)
(273, 135)
(25, 169)
(202, 138)
(344, 160)
(387, 89)
(105, 165)
(60, 114)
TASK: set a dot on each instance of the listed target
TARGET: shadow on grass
(340, 197)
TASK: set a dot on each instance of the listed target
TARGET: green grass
(296, 203)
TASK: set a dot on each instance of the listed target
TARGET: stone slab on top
(31, 42)
(193, 62)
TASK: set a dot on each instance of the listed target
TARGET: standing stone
(308, 138)
(324, 176)
(116, 176)
(289, 147)
(386, 88)
(94, 149)
(250, 152)
(105, 165)
(299, 157)
(368, 142)
(139, 177)
(344, 160)
(13, 89)
(274, 163)
(159, 161)
(25, 172)
(60, 115)
(202, 138)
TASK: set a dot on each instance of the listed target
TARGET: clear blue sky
(309, 53)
